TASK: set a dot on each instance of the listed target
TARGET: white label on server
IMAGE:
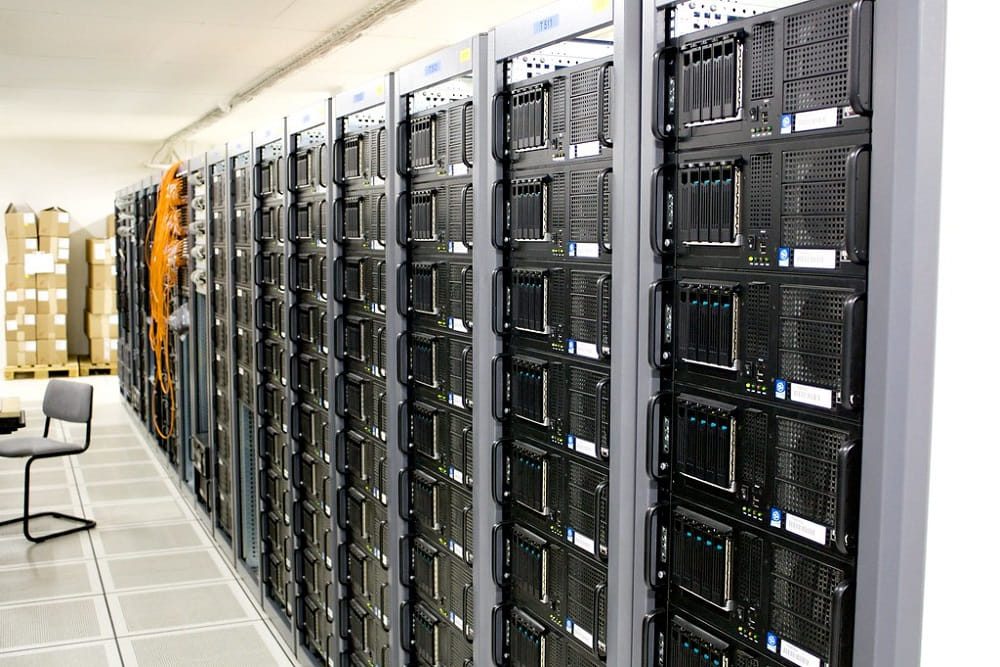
(807, 258)
(794, 654)
(585, 250)
(584, 636)
(585, 447)
(458, 248)
(457, 475)
(588, 350)
(816, 120)
(584, 542)
(805, 528)
(456, 400)
(802, 393)
(458, 169)
(457, 548)
(457, 325)
(589, 149)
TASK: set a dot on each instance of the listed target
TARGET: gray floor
(146, 587)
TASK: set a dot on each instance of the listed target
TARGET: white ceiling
(140, 70)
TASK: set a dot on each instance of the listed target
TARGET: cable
(165, 256)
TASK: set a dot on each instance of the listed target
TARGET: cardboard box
(102, 301)
(52, 353)
(112, 226)
(102, 276)
(51, 301)
(20, 301)
(101, 325)
(57, 246)
(21, 327)
(19, 249)
(104, 350)
(21, 353)
(101, 251)
(55, 280)
(53, 221)
(50, 326)
(20, 223)
(18, 279)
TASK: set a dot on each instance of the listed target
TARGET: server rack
(760, 216)
(359, 360)
(240, 222)
(219, 340)
(713, 265)
(434, 223)
(309, 166)
(124, 285)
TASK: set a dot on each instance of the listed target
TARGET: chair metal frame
(25, 519)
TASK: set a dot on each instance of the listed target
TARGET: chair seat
(37, 446)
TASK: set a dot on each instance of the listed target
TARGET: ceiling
(140, 70)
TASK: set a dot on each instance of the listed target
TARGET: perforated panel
(761, 174)
(762, 61)
(801, 599)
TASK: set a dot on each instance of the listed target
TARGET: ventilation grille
(583, 107)
(761, 175)
(762, 61)
(806, 471)
(756, 318)
(802, 600)
(753, 442)
(812, 335)
(751, 564)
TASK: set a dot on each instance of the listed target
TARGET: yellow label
(465, 55)
(601, 5)
(379, 89)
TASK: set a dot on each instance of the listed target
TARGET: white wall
(81, 177)
(962, 584)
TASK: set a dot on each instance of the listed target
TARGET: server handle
(859, 77)
(499, 216)
(500, 576)
(500, 305)
(466, 191)
(466, 160)
(655, 569)
(650, 642)
(847, 489)
(843, 600)
(466, 274)
(601, 500)
(603, 346)
(403, 148)
(402, 289)
(602, 223)
(499, 385)
(339, 289)
(600, 395)
(339, 221)
(466, 401)
(340, 396)
(379, 171)
(339, 351)
(406, 621)
(403, 375)
(342, 518)
(343, 565)
(659, 354)
(662, 128)
(406, 560)
(602, 111)
(858, 193)
(657, 462)
(659, 238)
(403, 417)
(338, 163)
(499, 126)
(405, 499)
(497, 644)
(854, 344)
(499, 469)
(403, 218)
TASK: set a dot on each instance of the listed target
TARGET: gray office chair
(69, 402)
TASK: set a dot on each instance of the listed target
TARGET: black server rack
(194, 374)
(308, 174)
(761, 218)
(241, 218)
(360, 347)
(552, 303)
(124, 232)
(269, 185)
(219, 339)
(434, 223)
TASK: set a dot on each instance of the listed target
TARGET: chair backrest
(68, 401)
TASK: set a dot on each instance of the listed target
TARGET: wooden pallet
(88, 368)
(67, 370)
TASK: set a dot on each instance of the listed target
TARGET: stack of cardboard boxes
(101, 318)
(37, 263)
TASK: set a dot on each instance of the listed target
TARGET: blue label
(359, 96)
(571, 249)
(776, 517)
(569, 624)
(451, 544)
(451, 471)
(546, 24)
(772, 642)
(571, 441)
(780, 388)
(433, 68)
(451, 322)
(451, 246)
(786, 123)
(784, 256)
(570, 533)
(571, 346)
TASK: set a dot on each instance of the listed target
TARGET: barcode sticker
(584, 636)
(793, 653)
(816, 120)
(584, 542)
(805, 528)
(801, 393)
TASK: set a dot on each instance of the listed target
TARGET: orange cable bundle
(165, 257)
